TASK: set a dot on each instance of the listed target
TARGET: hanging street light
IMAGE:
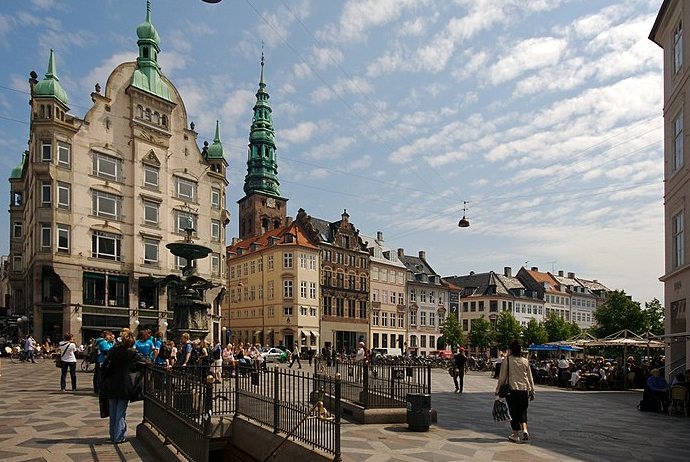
(464, 222)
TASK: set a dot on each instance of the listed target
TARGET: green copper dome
(145, 30)
(50, 86)
(17, 171)
(215, 151)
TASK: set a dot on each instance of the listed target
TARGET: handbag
(500, 411)
(504, 390)
(103, 407)
(58, 360)
(135, 386)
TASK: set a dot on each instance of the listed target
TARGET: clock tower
(262, 208)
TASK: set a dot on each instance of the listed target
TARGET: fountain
(190, 311)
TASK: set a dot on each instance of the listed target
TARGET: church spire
(50, 86)
(262, 167)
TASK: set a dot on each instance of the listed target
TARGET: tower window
(146, 52)
(46, 151)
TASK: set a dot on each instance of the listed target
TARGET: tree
(535, 333)
(556, 328)
(508, 329)
(481, 333)
(618, 312)
(573, 330)
(451, 331)
(654, 317)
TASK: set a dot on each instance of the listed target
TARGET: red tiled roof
(293, 228)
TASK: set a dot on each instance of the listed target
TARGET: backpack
(650, 405)
(216, 352)
(164, 351)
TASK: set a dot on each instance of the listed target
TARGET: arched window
(164, 120)
(147, 115)
(140, 111)
(43, 111)
(156, 118)
(264, 225)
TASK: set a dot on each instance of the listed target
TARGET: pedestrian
(29, 348)
(68, 360)
(310, 355)
(103, 344)
(460, 361)
(295, 357)
(120, 384)
(217, 355)
(145, 345)
(517, 373)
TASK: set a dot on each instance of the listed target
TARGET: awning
(314, 334)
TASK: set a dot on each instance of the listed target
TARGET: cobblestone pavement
(40, 423)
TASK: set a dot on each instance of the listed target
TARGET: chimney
(379, 236)
(508, 271)
(288, 221)
(535, 268)
(422, 255)
(471, 273)
(401, 253)
(571, 275)
(560, 273)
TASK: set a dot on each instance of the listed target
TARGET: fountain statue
(190, 311)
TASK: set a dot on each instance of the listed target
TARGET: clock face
(270, 202)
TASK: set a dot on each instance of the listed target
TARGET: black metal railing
(377, 386)
(181, 405)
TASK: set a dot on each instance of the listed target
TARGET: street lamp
(464, 222)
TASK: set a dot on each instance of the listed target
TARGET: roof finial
(261, 80)
(51, 73)
(148, 10)
(217, 137)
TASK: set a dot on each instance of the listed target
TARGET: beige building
(96, 199)
(273, 287)
(388, 309)
(667, 32)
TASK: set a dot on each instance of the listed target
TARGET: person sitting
(575, 378)
(657, 388)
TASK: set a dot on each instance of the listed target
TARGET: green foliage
(574, 329)
(535, 333)
(556, 328)
(654, 317)
(618, 312)
(508, 329)
(452, 332)
(481, 333)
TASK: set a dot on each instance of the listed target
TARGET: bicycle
(87, 365)
(19, 356)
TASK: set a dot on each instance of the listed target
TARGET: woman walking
(119, 384)
(68, 360)
(516, 373)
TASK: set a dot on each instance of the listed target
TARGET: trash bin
(418, 412)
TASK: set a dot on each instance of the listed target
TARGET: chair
(679, 400)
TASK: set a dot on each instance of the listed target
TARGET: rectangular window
(432, 319)
(678, 48)
(46, 151)
(287, 260)
(374, 273)
(327, 306)
(678, 160)
(422, 341)
(312, 262)
(384, 319)
(150, 252)
(270, 262)
(64, 154)
(287, 311)
(106, 205)
(303, 289)
(185, 189)
(46, 234)
(413, 318)
(63, 195)
(107, 167)
(375, 318)
(106, 246)
(151, 213)
(150, 177)
(63, 237)
(312, 290)
(17, 263)
(215, 232)
(215, 198)
(422, 318)
(287, 289)
(678, 240)
(184, 220)
(215, 267)
(271, 292)
(46, 193)
(17, 229)
(303, 260)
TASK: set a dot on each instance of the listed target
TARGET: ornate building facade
(95, 200)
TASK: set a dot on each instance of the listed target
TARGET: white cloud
(333, 149)
(274, 27)
(100, 74)
(43, 4)
(341, 88)
(526, 55)
(300, 133)
(326, 57)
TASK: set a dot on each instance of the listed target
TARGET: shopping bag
(500, 411)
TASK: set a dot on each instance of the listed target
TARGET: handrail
(679, 367)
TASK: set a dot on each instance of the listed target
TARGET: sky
(540, 121)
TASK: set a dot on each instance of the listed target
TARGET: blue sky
(544, 115)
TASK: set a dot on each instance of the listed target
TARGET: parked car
(274, 355)
(444, 354)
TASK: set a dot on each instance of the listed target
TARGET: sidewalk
(38, 422)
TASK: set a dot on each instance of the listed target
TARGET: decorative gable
(151, 159)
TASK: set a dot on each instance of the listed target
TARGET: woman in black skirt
(516, 372)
